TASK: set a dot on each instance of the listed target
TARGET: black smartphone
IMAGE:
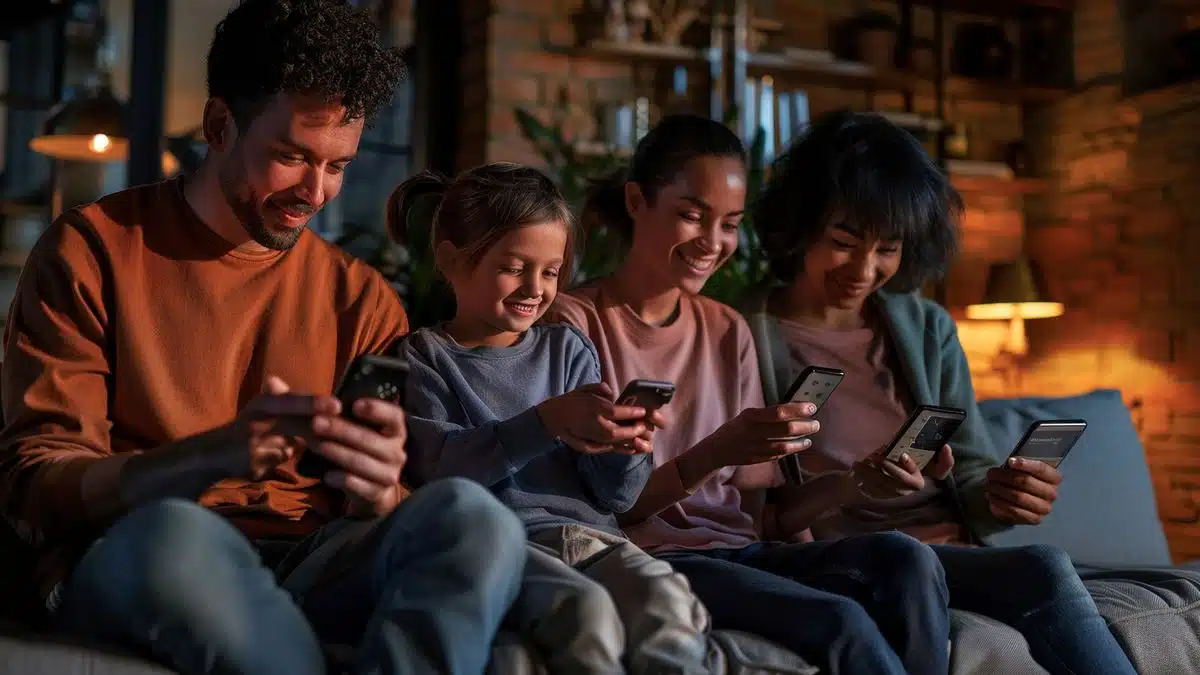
(368, 376)
(1049, 441)
(926, 431)
(648, 394)
(814, 385)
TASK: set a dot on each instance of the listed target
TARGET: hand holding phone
(1049, 441)
(368, 376)
(648, 394)
(814, 385)
(589, 421)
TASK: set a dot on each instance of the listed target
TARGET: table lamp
(1014, 293)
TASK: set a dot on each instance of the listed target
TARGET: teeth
(697, 263)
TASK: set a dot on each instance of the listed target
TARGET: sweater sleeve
(974, 452)
(55, 380)
(613, 479)
(442, 441)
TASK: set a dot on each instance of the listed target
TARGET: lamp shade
(1014, 290)
(89, 127)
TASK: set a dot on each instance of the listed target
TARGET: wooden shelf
(1000, 8)
(635, 51)
(1000, 186)
(832, 73)
(864, 76)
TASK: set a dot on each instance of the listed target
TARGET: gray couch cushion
(22, 654)
(983, 646)
(1105, 514)
(1154, 613)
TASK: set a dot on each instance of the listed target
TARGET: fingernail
(904, 457)
(810, 409)
(1014, 461)
(816, 426)
(360, 406)
(806, 443)
(320, 423)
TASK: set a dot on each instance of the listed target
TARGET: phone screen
(925, 433)
(1050, 442)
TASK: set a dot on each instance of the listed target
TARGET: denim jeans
(1036, 590)
(863, 605)
(421, 591)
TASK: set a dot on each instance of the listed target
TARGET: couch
(1105, 518)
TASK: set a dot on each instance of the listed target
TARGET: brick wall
(1116, 240)
(1112, 236)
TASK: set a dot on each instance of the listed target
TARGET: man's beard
(232, 184)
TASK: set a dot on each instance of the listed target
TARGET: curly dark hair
(866, 170)
(326, 48)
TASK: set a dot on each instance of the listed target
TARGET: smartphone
(926, 431)
(1049, 441)
(815, 385)
(368, 376)
(648, 394)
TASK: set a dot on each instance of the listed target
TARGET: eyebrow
(309, 154)
(522, 258)
(705, 206)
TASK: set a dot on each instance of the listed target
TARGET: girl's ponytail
(405, 198)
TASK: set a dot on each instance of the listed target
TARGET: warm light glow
(1022, 310)
(99, 144)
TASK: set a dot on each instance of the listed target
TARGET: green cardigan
(927, 346)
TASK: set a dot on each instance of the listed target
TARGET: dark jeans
(1036, 590)
(421, 591)
(862, 605)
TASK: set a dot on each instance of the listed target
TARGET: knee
(469, 509)
(162, 554)
(1049, 565)
(590, 606)
(914, 564)
(466, 517)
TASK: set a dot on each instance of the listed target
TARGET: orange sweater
(134, 325)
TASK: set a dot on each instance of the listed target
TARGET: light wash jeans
(423, 590)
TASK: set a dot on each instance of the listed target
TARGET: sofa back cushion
(1106, 513)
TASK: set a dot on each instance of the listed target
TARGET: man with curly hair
(167, 358)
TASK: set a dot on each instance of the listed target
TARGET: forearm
(802, 505)
(615, 480)
(112, 486)
(673, 482)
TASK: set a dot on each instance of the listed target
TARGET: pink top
(708, 352)
(862, 416)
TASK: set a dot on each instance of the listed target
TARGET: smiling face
(284, 167)
(690, 228)
(510, 287)
(846, 265)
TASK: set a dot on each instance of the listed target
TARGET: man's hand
(368, 449)
(1022, 491)
(274, 424)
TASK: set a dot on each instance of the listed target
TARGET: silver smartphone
(815, 385)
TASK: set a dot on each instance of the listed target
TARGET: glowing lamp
(1014, 293)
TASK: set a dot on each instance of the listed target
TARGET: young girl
(855, 218)
(864, 605)
(520, 409)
